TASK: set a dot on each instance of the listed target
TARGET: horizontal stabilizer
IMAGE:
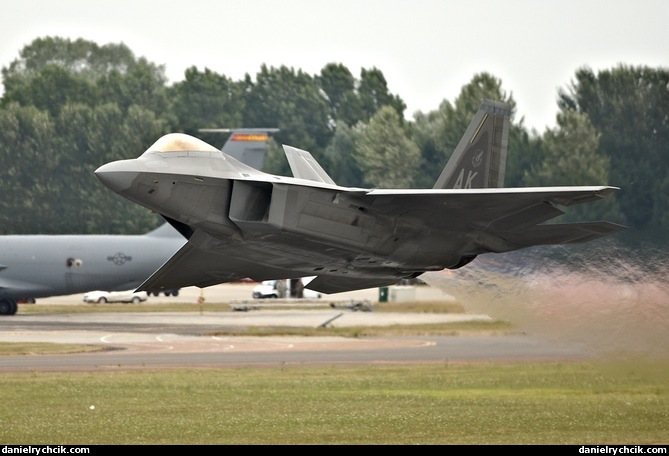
(568, 233)
(498, 208)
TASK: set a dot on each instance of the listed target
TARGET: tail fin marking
(479, 160)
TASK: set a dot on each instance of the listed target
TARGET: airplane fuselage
(34, 266)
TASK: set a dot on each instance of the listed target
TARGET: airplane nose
(118, 175)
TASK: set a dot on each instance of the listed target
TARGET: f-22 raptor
(241, 222)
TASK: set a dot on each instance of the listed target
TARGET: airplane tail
(479, 160)
(245, 144)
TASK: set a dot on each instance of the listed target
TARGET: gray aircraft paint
(241, 222)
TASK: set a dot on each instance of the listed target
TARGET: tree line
(69, 106)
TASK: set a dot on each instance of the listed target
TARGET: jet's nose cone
(117, 175)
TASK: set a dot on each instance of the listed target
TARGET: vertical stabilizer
(247, 145)
(479, 160)
(304, 165)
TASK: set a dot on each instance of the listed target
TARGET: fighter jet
(37, 266)
(241, 222)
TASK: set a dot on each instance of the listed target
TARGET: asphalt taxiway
(188, 339)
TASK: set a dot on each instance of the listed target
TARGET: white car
(268, 289)
(127, 296)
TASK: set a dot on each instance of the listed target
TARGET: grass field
(573, 403)
(592, 403)
(406, 307)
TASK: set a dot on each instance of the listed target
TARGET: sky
(427, 49)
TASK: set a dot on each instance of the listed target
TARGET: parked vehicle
(270, 289)
(128, 296)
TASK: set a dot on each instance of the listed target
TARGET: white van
(269, 289)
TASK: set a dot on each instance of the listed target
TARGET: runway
(185, 339)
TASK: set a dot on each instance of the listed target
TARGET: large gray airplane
(241, 222)
(38, 266)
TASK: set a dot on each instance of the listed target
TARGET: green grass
(572, 403)
(45, 348)
(412, 403)
(32, 309)
(406, 307)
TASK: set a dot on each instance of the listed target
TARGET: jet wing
(500, 219)
(568, 233)
(507, 199)
(204, 267)
(493, 208)
(194, 267)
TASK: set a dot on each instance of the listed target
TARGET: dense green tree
(339, 157)
(629, 107)
(374, 94)
(525, 150)
(139, 129)
(206, 100)
(143, 84)
(70, 209)
(50, 89)
(571, 157)
(423, 135)
(275, 160)
(81, 57)
(662, 208)
(71, 106)
(53, 183)
(28, 164)
(438, 133)
(385, 154)
(340, 86)
(52, 72)
(570, 154)
(291, 101)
